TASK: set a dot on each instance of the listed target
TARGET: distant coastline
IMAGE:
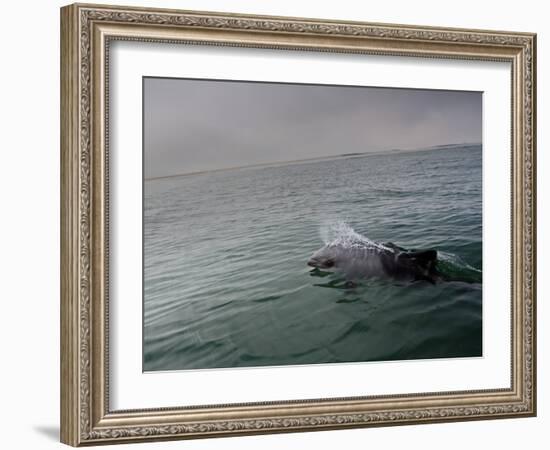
(319, 158)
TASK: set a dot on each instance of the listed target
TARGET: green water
(225, 277)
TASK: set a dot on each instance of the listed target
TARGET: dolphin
(363, 259)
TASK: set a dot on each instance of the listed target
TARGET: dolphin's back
(424, 258)
(364, 261)
(388, 260)
(420, 264)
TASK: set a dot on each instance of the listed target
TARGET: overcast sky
(194, 125)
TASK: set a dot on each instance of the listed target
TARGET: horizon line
(317, 158)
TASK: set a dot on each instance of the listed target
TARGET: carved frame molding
(86, 32)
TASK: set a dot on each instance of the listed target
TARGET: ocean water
(226, 282)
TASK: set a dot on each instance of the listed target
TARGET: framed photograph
(274, 224)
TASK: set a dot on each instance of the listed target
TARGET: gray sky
(194, 125)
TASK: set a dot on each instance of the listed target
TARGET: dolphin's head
(327, 257)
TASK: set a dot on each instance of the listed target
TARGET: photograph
(291, 224)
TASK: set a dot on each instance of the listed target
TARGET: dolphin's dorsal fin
(424, 258)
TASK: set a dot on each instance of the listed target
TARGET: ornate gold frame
(86, 31)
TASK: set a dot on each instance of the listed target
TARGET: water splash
(455, 260)
(450, 266)
(453, 268)
(340, 233)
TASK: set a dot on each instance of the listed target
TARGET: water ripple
(226, 282)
